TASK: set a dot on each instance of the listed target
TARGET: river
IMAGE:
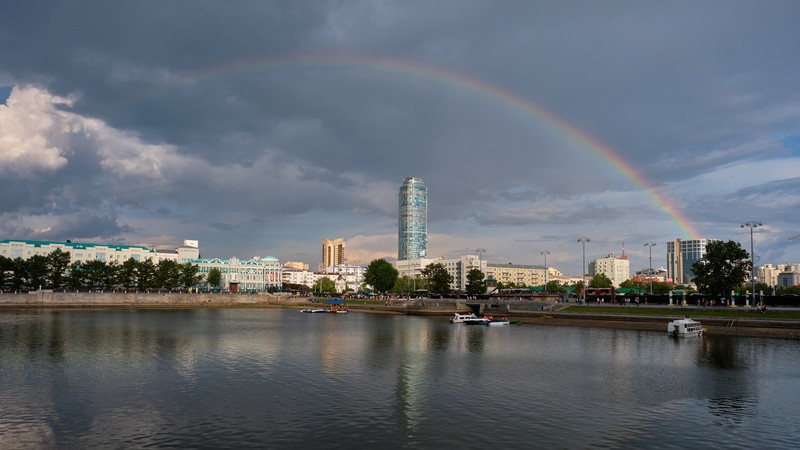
(273, 378)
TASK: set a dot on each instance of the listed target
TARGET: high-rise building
(412, 233)
(332, 252)
(681, 255)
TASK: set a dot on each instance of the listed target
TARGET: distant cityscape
(259, 274)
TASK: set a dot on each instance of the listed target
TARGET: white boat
(461, 318)
(685, 327)
(313, 310)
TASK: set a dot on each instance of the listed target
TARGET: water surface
(210, 378)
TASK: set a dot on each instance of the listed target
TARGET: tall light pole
(545, 253)
(752, 225)
(584, 240)
(651, 245)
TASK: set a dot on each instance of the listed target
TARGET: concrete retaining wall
(55, 299)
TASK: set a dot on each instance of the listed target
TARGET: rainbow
(564, 129)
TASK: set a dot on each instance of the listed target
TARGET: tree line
(725, 268)
(55, 271)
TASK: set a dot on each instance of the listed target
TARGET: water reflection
(720, 352)
(279, 379)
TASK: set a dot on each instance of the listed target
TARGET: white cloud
(28, 123)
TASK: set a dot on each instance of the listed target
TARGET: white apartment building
(109, 253)
(616, 268)
(458, 268)
(520, 274)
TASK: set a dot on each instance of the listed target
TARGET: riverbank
(549, 314)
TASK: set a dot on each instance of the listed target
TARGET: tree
(325, 285)
(476, 285)
(381, 275)
(403, 285)
(37, 272)
(168, 274)
(438, 279)
(57, 265)
(630, 284)
(724, 268)
(128, 274)
(6, 273)
(189, 276)
(147, 275)
(600, 280)
(555, 287)
(214, 277)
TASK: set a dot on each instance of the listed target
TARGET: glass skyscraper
(681, 254)
(413, 224)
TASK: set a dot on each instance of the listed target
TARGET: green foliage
(724, 268)
(128, 274)
(189, 276)
(660, 288)
(57, 266)
(600, 280)
(325, 285)
(630, 284)
(476, 285)
(438, 278)
(214, 277)
(147, 275)
(786, 290)
(381, 275)
(555, 286)
(403, 285)
(6, 273)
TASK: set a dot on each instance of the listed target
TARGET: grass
(733, 312)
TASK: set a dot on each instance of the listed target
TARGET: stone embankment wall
(88, 299)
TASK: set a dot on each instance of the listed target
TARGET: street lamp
(584, 240)
(651, 245)
(752, 225)
(545, 253)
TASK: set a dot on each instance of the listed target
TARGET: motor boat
(461, 318)
(685, 327)
(313, 310)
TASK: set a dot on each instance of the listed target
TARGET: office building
(681, 254)
(412, 233)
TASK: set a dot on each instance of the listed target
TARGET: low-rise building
(109, 253)
(253, 275)
(519, 274)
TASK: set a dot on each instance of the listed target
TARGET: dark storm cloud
(677, 89)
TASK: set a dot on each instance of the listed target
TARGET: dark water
(277, 378)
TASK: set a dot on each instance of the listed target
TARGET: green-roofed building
(84, 251)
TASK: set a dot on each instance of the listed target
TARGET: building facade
(458, 268)
(253, 275)
(332, 252)
(412, 234)
(616, 268)
(295, 265)
(681, 254)
(522, 275)
(108, 253)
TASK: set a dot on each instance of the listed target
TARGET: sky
(261, 127)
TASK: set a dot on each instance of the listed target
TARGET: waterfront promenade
(740, 321)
